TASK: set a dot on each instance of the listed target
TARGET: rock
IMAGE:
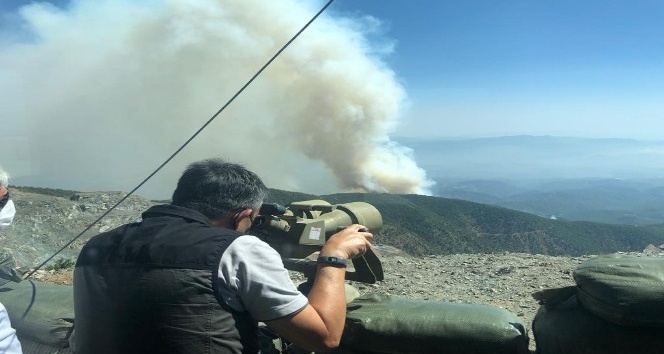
(652, 250)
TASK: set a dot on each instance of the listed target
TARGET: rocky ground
(44, 223)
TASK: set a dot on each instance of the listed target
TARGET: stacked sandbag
(617, 307)
(625, 290)
(394, 325)
(42, 315)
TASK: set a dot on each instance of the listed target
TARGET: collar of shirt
(174, 210)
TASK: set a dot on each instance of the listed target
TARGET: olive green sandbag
(562, 326)
(386, 324)
(39, 312)
(623, 289)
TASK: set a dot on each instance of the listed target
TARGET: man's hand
(349, 243)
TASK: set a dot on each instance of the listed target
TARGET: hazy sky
(592, 68)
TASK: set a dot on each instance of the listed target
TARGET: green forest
(423, 225)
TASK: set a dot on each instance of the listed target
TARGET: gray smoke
(98, 95)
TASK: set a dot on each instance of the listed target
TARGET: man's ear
(233, 220)
(244, 214)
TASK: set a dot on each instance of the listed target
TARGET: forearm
(319, 326)
(328, 298)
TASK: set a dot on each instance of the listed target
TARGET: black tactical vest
(150, 287)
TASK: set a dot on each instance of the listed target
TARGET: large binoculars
(300, 229)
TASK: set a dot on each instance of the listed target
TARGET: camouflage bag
(386, 324)
(626, 290)
(562, 326)
(41, 313)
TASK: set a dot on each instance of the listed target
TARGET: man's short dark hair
(215, 188)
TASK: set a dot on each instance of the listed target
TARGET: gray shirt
(253, 279)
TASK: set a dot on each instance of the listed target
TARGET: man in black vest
(187, 280)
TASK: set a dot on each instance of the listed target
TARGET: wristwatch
(333, 261)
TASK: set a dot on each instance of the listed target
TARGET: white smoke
(102, 92)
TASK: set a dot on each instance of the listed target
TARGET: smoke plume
(97, 95)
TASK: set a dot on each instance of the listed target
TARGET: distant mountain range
(617, 181)
(614, 201)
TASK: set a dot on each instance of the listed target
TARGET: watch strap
(333, 261)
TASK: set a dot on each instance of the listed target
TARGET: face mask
(7, 215)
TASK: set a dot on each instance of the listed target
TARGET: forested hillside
(432, 225)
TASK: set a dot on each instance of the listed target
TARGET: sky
(489, 68)
(477, 68)
(91, 81)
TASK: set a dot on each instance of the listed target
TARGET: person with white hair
(9, 343)
(7, 209)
